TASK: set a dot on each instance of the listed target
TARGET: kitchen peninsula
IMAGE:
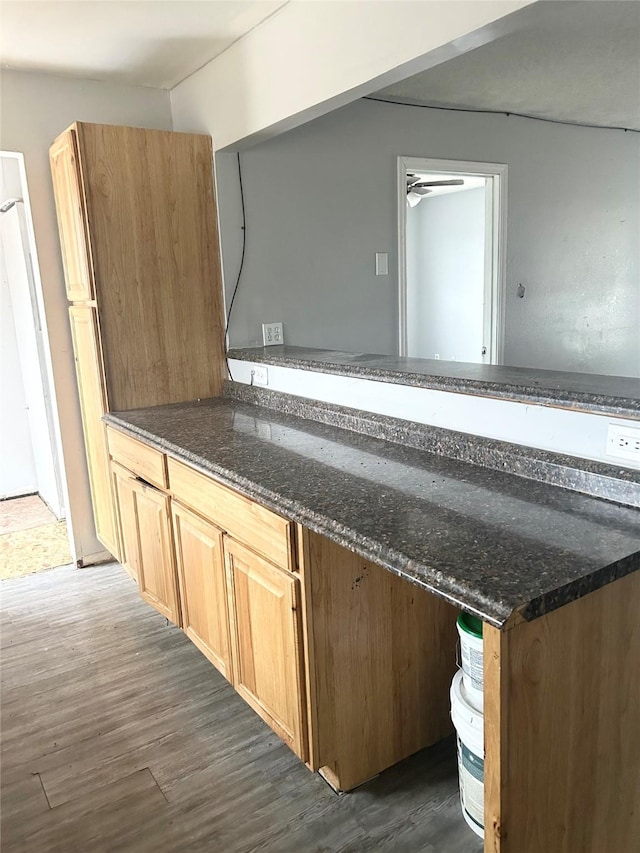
(553, 574)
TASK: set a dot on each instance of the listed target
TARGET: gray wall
(445, 276)
(321, 200)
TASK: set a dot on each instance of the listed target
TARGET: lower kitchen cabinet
(157, 579)
(347, 663)
(203, 586)
(266, 638)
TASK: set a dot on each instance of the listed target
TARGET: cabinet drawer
(144, 461)
(263, 530)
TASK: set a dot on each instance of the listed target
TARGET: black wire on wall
(235, 289)
(399, 103)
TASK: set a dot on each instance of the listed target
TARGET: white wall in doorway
(17, 467)
(445, 276)
(40, 428)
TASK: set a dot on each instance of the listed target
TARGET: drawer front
(144, 461)
(263, 530)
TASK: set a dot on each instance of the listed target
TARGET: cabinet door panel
(65, 171)
(266, 641)
(203, 586)
(126, 521)
(93, 404)
(157, 580)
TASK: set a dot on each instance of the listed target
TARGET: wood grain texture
(263, 530)
(74, 240)
(308, 649)
(157, 577)
(144, 461)
(125, 505)
(100, 699)
(384, 656)
(93, 404)
(264, 610)
(566, 777)
(203, 586)
(496, 738)
(153, 230)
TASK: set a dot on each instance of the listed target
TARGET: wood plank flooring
(118, 735)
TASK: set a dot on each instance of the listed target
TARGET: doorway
(451, 230)
(33, 533)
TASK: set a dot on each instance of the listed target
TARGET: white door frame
(495, 249)
(60, 500)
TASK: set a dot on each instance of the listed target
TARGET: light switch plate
(382, 263)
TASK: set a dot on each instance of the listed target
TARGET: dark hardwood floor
(118, 735)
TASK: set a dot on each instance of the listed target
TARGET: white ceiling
(573, 61)
(145, 42)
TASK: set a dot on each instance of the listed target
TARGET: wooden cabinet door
(74, 239)
(203, 586)
(93, 404)
(264, 610)
(157, 579)
(126, 521)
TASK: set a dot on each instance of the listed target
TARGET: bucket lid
(470, 624)
(466, 719)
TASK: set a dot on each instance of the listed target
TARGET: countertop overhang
(501, 547)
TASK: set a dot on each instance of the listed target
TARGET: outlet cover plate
(272, 334)
(623, 442)
(259, 375)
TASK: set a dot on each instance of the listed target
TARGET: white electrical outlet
(624, 442)
(272, 334)
(259, 375)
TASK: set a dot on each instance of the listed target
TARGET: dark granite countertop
(613, 395)
(492, 543)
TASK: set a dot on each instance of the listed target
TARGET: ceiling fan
(417, 189)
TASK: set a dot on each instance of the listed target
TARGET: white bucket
(469, 726)
(472, 658)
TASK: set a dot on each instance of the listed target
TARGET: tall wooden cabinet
(138, 233)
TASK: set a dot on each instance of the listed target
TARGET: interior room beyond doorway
(450, 261)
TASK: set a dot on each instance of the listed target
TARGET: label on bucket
(472, 665)
(471, 770)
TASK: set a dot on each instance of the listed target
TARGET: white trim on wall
(495, 256)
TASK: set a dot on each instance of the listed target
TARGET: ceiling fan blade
(456, 182)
